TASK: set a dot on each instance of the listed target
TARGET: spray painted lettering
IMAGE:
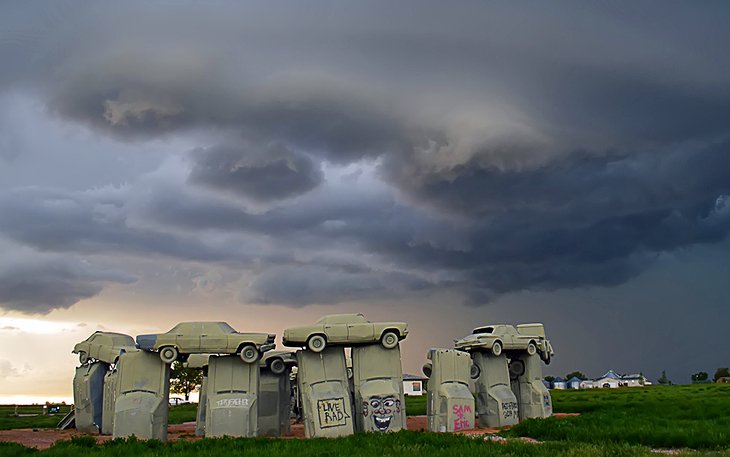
(510, 409)
(332, 412)
(462, 422)
(233, 403)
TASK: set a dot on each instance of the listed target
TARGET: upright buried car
(206, 338)
(103, 346)
(498, 337)
(345, 329)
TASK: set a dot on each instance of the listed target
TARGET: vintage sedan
(206, 338)
(103, 346)
(345, 329)
(499, 337)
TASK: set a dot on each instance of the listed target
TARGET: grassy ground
(29, 417)
(613, 422)
(402, 444)
(696, 417)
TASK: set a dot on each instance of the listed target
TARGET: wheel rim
(531, 349)
(168, 354)
(390, 340)
(277, 366)
(316, 343)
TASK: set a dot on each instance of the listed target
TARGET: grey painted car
(103, 346)
(498, 337)
(345, 329)
(207, 338)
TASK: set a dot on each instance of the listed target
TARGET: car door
(360, 332)
(508, 336)
(188, 339)
(337, 333)
(213, 341)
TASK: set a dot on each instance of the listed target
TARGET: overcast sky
(447, 164)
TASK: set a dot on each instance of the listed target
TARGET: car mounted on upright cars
(206, 338)
(103, 346)
(345, 329)
(499, 337)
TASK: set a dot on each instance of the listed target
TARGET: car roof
(203, 327)
(342, 319)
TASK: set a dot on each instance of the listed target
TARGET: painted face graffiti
(382, 410)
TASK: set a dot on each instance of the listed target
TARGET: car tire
(389, 340)
(277, 366)
(474, 371)
(531, 348)
(497, 348)
(169, 354)
(427, 369)
(249, 354)
(83, 357)
(516, 369)
(316, 343)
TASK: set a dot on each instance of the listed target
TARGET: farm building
(414, 385)
(573, 383)
(559, 383)
(723, 380)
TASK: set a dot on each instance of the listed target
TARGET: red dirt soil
(44, 438)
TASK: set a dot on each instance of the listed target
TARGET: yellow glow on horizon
(38, 326)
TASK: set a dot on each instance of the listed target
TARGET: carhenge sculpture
(324, 387)
(349, 379)
(508, 384)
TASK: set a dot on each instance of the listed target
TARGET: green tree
(721, 373)
(700, 377)
(663, 380)
(577, 374)
(549, 378)
(184, 380)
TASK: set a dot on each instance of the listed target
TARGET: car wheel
(531, 348)
(249, 354)
(516, 369)
(316, 343)
(474, 371)
(427, 369)
(168, 354)
(389, 340)
(497, 348)
(277, 366)
(83, 357)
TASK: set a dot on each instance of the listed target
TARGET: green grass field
(695, 417)
(613, 422)
(30, 416)
(401, 444)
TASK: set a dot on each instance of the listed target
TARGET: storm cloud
(360, 154)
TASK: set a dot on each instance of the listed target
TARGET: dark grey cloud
(36, 283)
(270, 172)
(517, 147)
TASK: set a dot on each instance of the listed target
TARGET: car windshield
(482, 330)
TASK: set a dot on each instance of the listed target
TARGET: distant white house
(613, 380)
(587, 384)
(414, 385)
(559, 383)
(610, 379)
